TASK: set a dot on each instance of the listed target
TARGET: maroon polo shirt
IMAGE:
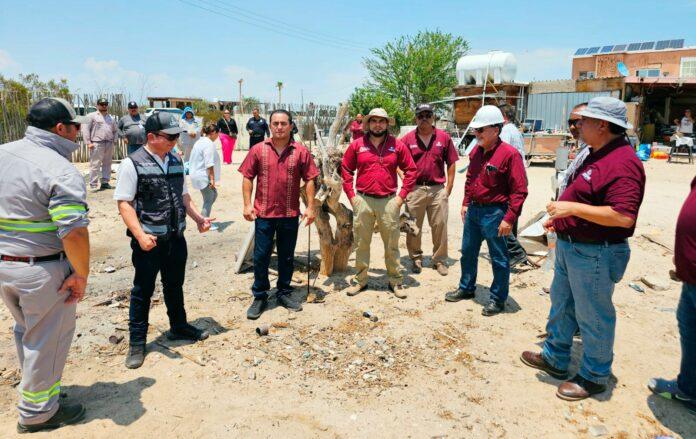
(278, 177)
(431, 159)
(356, 130)
(612, 176)
(497, 176)
(685, 242)
(376, 168)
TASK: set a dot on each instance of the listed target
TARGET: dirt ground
(426, 368)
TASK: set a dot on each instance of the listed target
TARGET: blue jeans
(482, 223)
(686, 316)
(133, 148)
(583, 283)
(285, 232)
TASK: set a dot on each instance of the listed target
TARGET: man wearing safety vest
(44, 257)
(153, 201)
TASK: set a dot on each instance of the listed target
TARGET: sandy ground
(427, 368)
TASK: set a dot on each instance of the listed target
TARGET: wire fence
(14, 108)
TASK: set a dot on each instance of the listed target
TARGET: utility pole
(241, 98)
(280, 88)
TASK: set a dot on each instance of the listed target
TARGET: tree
(365, 99)
(250, 103)
(416, 69)
(40, 89)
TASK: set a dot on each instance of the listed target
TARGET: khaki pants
(385, 212)
(100, 162)
(433, 201)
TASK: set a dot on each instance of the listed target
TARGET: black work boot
(459, 294)
(187, 332)
(257, 307)
(66, 415)
(136, 356)
(492, 308)
(286, 301)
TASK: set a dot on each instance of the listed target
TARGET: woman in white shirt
(204, 168)
(191, 134)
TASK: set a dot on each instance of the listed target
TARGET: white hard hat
(486, 116)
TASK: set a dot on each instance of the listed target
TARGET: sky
(316, 48)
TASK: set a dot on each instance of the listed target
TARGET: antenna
(621, 67)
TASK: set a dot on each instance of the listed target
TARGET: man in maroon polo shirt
(432, 151)
(356, 127)
(278, 164)
(496, 187)
(683, 389)
(593, 219)
(375, 158)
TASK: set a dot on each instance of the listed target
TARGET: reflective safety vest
(159, 200)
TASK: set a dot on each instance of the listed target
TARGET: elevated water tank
(500, 66)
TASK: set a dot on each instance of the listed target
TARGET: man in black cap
(132, 127)
(99, 132)
(44, 257)
(153, 201)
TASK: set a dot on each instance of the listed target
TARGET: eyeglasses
(573, 122)
(424, 115)
(170, 137)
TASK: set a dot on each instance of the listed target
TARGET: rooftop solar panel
(592, 50)
(676, 44)
(647, 45)
(662, 45)
(620, 47)
(633, 46)
(581, 51)
(607, 49)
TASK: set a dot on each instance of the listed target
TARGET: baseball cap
(102, 101)
(607, 108)
(422, 108)
(162, 122)
(49, 111)
(132, 104)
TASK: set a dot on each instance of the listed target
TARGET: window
(688, 67)
(648, 73)
(586, 75)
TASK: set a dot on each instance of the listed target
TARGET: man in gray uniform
(132, 127)
(99, 133)
(44, 257)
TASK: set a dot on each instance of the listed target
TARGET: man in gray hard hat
(44, 257)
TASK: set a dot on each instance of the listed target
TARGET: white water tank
(500, 66)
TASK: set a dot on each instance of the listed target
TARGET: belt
(376, 196)
(477, 204)
(567, 238)
(427, 183)
(33, 259)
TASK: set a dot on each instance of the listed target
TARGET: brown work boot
(441, 268)
(355, 289)
(417, 266)
(578, 388)
(398, 291)
(536, 360)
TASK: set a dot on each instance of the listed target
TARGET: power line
(270, 28)
(288, 26)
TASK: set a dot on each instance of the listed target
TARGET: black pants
(285, 232)
(253, 140)
(169, 259)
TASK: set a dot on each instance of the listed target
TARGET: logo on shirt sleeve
(587, 175)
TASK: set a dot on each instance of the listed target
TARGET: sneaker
(287, 302)
(441, 269)
(136, 356)
(355, 289)
(492, 308)
(257, 307)
(417, 266)
(106, 186)
(94, 189)
(459, 294)
(66, 415)
(669, 389)
(398, 291)
(187, 332)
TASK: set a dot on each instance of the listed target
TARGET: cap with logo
(607, 108)
(132, 104)
(102, 101)
(162, 122)
(422, 108)
(49, 111)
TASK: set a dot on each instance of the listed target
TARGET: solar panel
(633, 46)
(662, 44)
(676, 44)
(620, 47)
(607, 49)
(647, 45)
(592, 50)
(581, 51)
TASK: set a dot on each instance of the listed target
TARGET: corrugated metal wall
(554, 108)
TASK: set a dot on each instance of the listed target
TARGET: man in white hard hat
(593, 218)
(496, 187)
(375, 158)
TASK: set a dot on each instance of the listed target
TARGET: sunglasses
(480, 130)
(425, 116)
(573, 122)
(102, 105)
(170, 137)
